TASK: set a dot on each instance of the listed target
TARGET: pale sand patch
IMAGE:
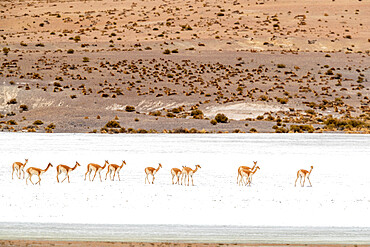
(240, 111)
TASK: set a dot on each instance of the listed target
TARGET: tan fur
(245, 168)
(96, 168)
(19, 168)
(36, 171)
(65, 169)
(152, 171)
(115, 169)
(305, 174)
(248, 174)
(176, 173)
(188, 172)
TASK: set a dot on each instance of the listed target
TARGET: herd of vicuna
(244, 177)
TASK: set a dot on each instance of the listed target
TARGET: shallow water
(339, 196)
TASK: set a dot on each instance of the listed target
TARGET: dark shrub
(24, 107)
(112, 124)
(130, 108)
(221, 118)
(38, 122)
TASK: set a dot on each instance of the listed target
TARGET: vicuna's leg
(192, 182)
(100, 177)
(146, 178)
(308, 177)
(246, 180)
(106, 175)
(153, 179)
(304, 180)
(29, 177)
(243, 180)
(23, 172)
(119, 179)
(240, 180)
(65, 177)
(94, 175)
(296, 180)
(173, 175)
(38, 182)
(87, 172)
(114, 175)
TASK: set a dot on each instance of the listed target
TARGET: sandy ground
(75, 65)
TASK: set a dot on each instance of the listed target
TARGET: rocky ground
(172, 66)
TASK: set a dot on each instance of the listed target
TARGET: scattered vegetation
(23, 107)
(130, 108)
(38, 122)
(197, 114)
(221, 118)
(12, 102)
(112, 124)
(348, 124)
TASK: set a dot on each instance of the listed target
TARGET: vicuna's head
(255, 162)
(160, 166)
(26, 160)
(198, 166)
(50, 165)
(123, 162)
(77, 164)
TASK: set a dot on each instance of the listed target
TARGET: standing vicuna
(152, 171)
(176, 172)
(115, 169)
(18, 167)
(65, 169)
(188, 172)
(305, 174)
(248, 174)
(36, 171)
(96, 168)
(244, 168)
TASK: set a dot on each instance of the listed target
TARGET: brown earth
(266, 65)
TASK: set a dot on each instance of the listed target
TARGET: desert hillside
(185, 66)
